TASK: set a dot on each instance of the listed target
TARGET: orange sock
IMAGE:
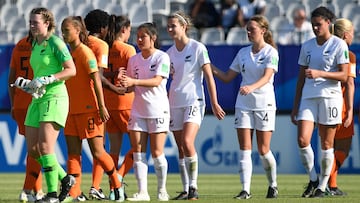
(108, 165)
(127, 163)
(74, 168)
(33, 169)
(115, 158)
(97, 174)
(38, 183)
(339, 159)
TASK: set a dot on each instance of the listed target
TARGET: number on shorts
(333, 112)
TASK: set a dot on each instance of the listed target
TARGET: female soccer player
(52, 64)
(187, 98)
(344, 29)
(323, 64)
(87, 112)
(150, 114)
(255, 107)
(118, 102)
(20, 100)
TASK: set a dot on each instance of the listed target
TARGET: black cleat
(310, 188)
(243, 195)
(193, 194)
(272, 192)
(66, 183)
(182, 196)
(318, 194)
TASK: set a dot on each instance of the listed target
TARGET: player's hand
(218, 111)
(23, 84)
(104, 114)
(39, 82)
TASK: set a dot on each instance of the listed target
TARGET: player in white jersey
(190, 63)
(255, 108)
(344, 29)
(323, 64)
(147, 75)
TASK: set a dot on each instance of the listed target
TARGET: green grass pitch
(213, 188)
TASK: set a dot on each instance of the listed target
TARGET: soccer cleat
(318, 193)
(39, 195)
(48, 199)
(243, 195)
(335, 191)
(26, 197)
(310, 188)
(96, 194)
(163, 196)
(112, 195)
(193, 194)
(80, 198)
(66, 183)
(182, 196)
(121, 190)
(139, 197)
(272, 192)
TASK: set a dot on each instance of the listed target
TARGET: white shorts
(325, 111)
(149, 125)
(190, 114)
(258, 120)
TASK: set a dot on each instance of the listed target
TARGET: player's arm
(11, 80)
(340, 75)
(104, 114)
(151, 82)
(211, 86)
(349, 100)
(298, 93)
(223, 76)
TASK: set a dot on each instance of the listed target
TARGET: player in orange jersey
(117, 101)
(20, 100)
(96, 22)
(87, 112)
(344, 29)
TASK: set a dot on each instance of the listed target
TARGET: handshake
(35, 87)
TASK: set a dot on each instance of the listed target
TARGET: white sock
(184, 176)
(192, 170)
(161, 168)
(269, 164)
(307, 159)
(245, 169)
(141, 171)
(327, 159)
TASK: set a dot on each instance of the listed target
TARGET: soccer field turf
(212, 187)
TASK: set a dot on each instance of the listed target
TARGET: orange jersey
(20, 63)
(341, 131)
(100, 49)
(119, 55)
(81, 90)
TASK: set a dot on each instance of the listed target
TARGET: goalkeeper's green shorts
(54, 109)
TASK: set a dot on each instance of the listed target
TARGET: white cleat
(26, 197)
(139, 197)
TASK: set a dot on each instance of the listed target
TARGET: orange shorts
(118, 121)
(86, 125)
(342, 132)
(19, 117)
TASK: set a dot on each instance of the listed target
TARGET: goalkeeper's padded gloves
(22, 83)
(39, 82)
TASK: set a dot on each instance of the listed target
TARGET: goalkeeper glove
(22, 83)
(39, 82)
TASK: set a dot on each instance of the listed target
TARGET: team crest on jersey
(261, 61)
(188, 58)
(326, 52)
(153, 67)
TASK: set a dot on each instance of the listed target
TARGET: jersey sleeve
(272, 60)
(60, 50)
(343, 53)
(163, 68)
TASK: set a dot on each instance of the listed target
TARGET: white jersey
(325, 58)
(186, 87)
(252, 68)
(150, 102)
